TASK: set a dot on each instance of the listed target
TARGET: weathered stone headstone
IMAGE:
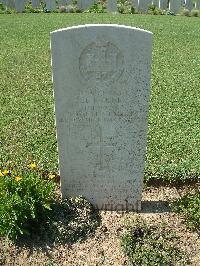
(68, 2)
(101, 76)
(143, 5)
(155, 3)
(111, 5)
(135, 4)
(61, 2)
(163, 4)
(85, 4)
(50, 5)
(19, 5)
(35, 3)
(10, 3)
(189, 4)
(175, 5)
(197, 4)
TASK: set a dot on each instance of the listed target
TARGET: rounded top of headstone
(102, 26)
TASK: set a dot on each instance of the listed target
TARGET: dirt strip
(103, 248)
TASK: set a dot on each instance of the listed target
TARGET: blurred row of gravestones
(140, 6)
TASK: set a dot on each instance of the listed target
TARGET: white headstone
(197, 4)
(189, 4)
(35, 3)
(112, 5)
(163, 4)
(50, 5)
(101, 76)
(155, 3)
(68, 2)
(175, 5)
(10, 3)
(85, 4)
(143, 5)
(135, 4)
(19, 5)
(61, 2)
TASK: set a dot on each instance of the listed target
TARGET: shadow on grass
(155, 207)
(69, 221)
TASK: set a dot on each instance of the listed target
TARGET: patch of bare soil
(103, 247)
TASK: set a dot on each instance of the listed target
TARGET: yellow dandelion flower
(32, 166)
(5, 172)
(18, 178)
(50, 176)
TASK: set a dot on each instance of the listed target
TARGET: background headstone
(68, 2)
(85, 4)
(155, 3)
(163, 4)
(101, 76)
(50, 5)
(111, 5)
(197, 4)
(135, 4)
(10, 3)
(35, 3)
(20, 5)
(175, 5)
(189, 4)
(143, 5)
(61, 3)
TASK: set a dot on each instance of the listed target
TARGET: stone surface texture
(175, 5)
(101, 76)
(50, 5)
(135, 4)
(155, 3)
(163, 4)
(10, 3)
(189, 4)
(61, 2)
(35, 3)
(85, 4)
(19, 5)
(68, 2)
(111, 5)
(197, 4)
(143, 5)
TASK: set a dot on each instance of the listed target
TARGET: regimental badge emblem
(101, 61)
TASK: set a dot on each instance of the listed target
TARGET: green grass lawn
(27, 118)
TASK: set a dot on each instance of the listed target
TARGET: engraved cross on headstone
(102, 146)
